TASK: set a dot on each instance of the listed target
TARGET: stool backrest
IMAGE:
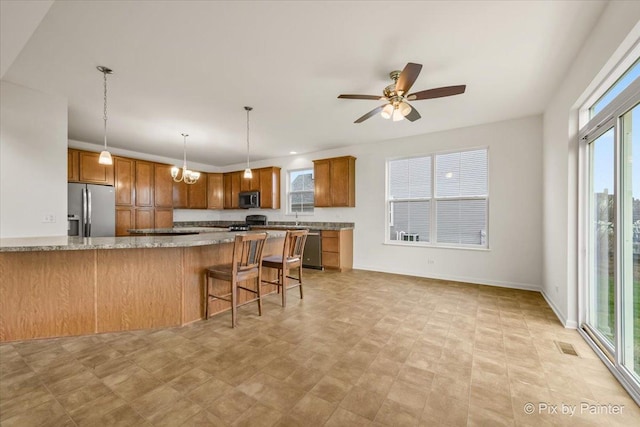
(294, 244)
(247, 251)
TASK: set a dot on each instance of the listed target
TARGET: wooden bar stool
(246, 264)
(291, 258)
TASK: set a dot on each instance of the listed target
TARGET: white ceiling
(191, 66)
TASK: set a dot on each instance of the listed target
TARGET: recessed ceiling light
(293, 152)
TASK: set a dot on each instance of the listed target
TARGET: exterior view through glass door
(602, 248)
(630, 221)
(611, 308)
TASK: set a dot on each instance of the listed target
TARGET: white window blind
(461, 191)
(410, 199)
(440, 199)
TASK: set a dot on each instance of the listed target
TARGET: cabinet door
(215, 191)
(93, 172)
(252, 184)
(235, 188)
(125, 220)
(124, 178)
(144, 184)
(226, 181)
(322, 183)
(197, 193)
(270, 188)
(163, 186)
(163, 218)
(180, 195)
(339, 177)
(73, 166)
(144, 218)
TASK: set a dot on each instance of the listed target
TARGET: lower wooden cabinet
(337, 250)
(125, 220)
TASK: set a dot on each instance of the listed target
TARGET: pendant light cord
(184, 165)
(105, 109)
(248, 109)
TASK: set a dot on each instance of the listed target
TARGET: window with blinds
(440, 199)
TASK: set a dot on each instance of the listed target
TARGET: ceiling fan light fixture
(404, 108)
(387, 111)
(397, 115)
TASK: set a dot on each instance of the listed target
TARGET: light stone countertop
(64, 243)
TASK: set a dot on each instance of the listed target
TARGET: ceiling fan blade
(408, 77)
(370, 97)
(413, 115)
(370, 114)
(437, 93)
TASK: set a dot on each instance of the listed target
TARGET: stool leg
(234, 302)
(284, 286)
(259, 285)
(206, 296)
(300, 279)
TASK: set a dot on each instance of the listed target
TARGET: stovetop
(249, 221)
(239, 227)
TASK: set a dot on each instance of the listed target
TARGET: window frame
(433, 199)
(290, 192)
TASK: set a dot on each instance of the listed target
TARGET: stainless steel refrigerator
(91, 210)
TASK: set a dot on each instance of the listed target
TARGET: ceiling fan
(396, 96)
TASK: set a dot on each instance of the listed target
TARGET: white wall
(33, 162)
(560, 156)
(515, 220)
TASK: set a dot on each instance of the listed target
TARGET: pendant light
(187, 176)
(105, 155)
(247, 172)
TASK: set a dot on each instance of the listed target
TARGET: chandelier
(187, 176)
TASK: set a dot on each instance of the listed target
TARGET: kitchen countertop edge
(63, 243)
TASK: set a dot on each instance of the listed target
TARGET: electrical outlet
(49, 218)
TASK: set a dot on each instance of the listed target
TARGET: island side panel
(138, 288)
(46, 294)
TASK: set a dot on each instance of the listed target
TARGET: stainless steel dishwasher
(313, 251)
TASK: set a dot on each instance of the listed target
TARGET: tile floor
(362, 348)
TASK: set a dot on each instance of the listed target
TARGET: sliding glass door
(612, 315)
(630, 236)
(603, 237)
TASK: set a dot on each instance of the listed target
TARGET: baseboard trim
(473, 280)
(570, 324)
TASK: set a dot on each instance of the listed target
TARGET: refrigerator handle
(89, 213)
(83, 220)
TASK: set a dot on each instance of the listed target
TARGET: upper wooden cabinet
(215, 191)
(269, 187)
(335, 182)
(163, 186)
(191, 196)
(73, 165)
(232, 187)
(93, 172)
(124, 180)
(83, 166)
(264, 180)
(144, 184)
(197, 193)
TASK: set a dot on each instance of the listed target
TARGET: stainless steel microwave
(249, 199)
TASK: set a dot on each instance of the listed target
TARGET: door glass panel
(631, 239)
(602, 297)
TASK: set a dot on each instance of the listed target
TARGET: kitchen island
(62, 286)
